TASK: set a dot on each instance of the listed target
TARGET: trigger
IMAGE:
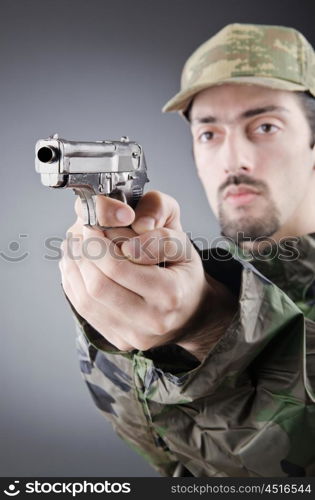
(88, 207)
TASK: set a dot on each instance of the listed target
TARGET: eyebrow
(246, 114)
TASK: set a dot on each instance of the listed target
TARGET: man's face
(252, 152)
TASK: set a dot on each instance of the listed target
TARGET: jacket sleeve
(111, 377)
(248, 408)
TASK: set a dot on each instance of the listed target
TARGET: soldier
(205, 364)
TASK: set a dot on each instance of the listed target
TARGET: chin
(248, 227)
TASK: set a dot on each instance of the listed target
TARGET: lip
(240, 195)
(239, 190)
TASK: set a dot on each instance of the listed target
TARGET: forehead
(228, 101)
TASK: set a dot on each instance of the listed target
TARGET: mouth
(240, 195)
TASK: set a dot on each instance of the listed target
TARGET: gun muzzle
(47, 154)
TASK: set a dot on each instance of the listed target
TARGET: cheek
(286, 172)
(287, 166)
(209, 177)
(210, 184)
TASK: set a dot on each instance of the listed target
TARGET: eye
(206, 136)
(266, 128)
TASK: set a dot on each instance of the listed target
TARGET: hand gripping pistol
(111, 168)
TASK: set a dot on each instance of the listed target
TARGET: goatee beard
(247, 228)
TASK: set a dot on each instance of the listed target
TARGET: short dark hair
(186, 112)
(307, 102)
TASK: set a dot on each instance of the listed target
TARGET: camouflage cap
(272, 56)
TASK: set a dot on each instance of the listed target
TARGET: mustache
(242, 179)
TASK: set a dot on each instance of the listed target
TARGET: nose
(236, 155)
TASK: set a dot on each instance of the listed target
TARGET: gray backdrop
(87, 69)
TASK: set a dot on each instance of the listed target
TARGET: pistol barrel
(47, 154)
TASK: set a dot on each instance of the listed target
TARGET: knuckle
(153, 198)
(166, 208)
(171, 298)
(154, 193)
(169, 201)
(116, 268)
(159, 324)
(171, 303)
(95, 287)
(175, 300)
(160, 327)
(163, 198)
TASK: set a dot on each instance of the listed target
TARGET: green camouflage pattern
(248, 410)
(271, 56)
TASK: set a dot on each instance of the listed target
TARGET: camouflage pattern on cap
(272, 56)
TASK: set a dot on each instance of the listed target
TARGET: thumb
(154, 210)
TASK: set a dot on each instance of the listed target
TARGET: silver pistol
(111, 168)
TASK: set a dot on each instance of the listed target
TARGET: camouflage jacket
(246, 410)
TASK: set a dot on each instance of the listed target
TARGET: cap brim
(181, 100)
